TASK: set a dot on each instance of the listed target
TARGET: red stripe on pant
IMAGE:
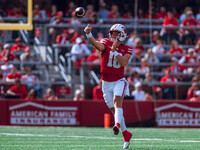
(124, 89)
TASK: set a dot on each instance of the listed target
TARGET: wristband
(116, 53)
(89, 35)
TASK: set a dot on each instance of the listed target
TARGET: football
(79, 12)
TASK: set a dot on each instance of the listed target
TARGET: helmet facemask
(121, 30)
(114, 39)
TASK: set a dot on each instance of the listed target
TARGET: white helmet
(122, 32)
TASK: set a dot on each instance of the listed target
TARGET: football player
(114, 57)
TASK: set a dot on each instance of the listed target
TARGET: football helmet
(122, 32)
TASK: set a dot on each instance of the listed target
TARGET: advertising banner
(91, 113)
(43, 113)
(182, 114)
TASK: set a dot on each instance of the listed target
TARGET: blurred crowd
(179, 28)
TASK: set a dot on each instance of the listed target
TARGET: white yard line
(100, 138)
(14, 145)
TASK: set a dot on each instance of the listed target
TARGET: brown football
(79, 12)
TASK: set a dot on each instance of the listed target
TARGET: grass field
(76, 138)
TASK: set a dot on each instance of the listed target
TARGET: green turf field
(76, 138)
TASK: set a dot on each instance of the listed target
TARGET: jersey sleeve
(104, 41)
(129, 50)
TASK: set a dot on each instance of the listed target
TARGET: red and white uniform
(111, 70)
(112, 73)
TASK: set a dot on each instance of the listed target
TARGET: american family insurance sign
(31, 113)
(176, 114)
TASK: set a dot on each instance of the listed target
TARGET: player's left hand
(115, 44)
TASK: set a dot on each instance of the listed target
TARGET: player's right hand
(115, 44)
(87, 29)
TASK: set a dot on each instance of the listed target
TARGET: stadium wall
(91, 113)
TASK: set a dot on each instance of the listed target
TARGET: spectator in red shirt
(50, 95)
(169, 34)
(189, 35)
(176, 67)
(15, 12)
(18, 46)
(139, 48)
(114, 13)
(75, 35)
(94, 57)
(192, 90)
(162, 14)
(18, 89)
(168, 90)
(97, 93)
(189, 58)
(156, 36)
(13, 75)
(196, 97)
(32, 95)
(63, 38)
(175, 48)
(5, 54)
